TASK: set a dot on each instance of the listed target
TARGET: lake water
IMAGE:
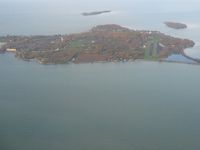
(110, 106)
(100, 106)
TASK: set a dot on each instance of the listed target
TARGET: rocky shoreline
(104, 43)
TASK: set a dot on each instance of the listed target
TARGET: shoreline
(191, 58)
(102, 43)
(104, 62)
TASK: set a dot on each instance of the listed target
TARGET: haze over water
(105, 106)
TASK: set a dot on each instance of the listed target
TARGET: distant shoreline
(175, 25)
(111, 62)
(103, 43)
(95, 13)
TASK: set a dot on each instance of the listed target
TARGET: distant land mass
(103, 43)
(95, 13)
(175, 25)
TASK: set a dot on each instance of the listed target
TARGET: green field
(151, 51)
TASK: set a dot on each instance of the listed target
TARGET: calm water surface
(140, 105)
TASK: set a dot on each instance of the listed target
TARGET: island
(175, 25)
(103, 43)
(95, 13)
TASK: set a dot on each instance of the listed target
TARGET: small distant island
(103, 43)
(175, 25)
(95, 13)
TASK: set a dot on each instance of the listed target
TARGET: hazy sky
(69, 5)
(14, 12)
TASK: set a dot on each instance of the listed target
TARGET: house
(11, 49)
